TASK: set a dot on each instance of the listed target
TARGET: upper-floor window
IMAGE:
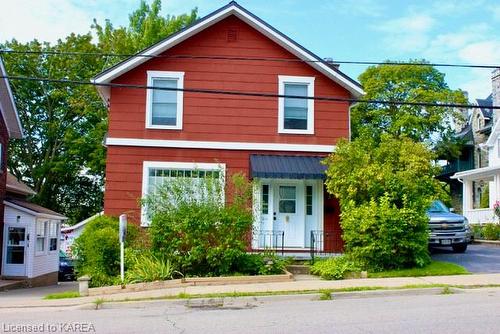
(163, 106)
(296, 115)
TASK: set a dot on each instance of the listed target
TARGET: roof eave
(8, 108)
(231, 9)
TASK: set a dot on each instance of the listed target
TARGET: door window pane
(295, 109)
(309, 200)
(15, 245)
(265, 199)
(164, 108)
(287, 199)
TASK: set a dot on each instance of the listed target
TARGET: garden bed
(191, 281)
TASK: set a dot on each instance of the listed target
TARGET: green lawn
(435, 268)
(62, 295)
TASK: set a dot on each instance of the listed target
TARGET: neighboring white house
(70, 233)
(486, 176)
(31, 237)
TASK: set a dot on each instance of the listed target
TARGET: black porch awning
(286, 167)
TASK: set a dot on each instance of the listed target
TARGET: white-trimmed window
(164, 107)
(41, 236)
(295, 115)
(157, 172)
(53, 228)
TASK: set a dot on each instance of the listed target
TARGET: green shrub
(195, 230)
(491, 231)
(149, 268)
(477, 231)
(334, 267)
(385, 186)
(97, 250)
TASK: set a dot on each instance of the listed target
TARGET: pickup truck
(447, 229)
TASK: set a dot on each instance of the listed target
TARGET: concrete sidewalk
(13, 301)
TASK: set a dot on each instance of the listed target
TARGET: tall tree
(408, 83)
(62, 156)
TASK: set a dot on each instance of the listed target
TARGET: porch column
(467, 195)
(495, 194)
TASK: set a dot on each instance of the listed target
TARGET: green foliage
(191, 226)
(62, 295)
(408, 83)
(435, 268)
(384, 188)
(334, 267)
(146, 27)
(98, 250)
(491, 231)
(149, 268)
(63, 126)
(61, 156)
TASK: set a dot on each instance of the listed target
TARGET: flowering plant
(496, 209)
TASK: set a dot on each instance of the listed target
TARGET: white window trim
(57, 237)
(175, 165)
(179, 76)
(282, 80)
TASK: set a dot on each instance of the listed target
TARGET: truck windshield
(438, 206)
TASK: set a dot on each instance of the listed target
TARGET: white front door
(14, 251)
(288, 211)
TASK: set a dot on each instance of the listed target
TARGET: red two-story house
(278, 141)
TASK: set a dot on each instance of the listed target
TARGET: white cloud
(49, 20)
(477, 84)
(414, 23)
(485, 52)
(407, 33)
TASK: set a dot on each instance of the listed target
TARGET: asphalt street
(477, 258)
(474, 311)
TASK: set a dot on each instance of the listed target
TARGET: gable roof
(487, 102)
(8, 106)
(33, 209)
(232, 8)
(15, 186)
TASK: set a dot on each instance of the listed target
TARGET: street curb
(253, 301)
(487, 242)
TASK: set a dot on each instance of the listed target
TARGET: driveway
(477, 258)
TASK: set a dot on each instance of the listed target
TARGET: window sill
(296, 132)
(163, 127)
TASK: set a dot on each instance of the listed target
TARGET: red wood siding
(223, 117)
(331, 225)
(125, 166)
(4, 140)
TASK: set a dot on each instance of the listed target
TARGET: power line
(254, 94)
(236, 58)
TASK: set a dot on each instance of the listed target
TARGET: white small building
(486, 177)
(31, 238)
(70, 233)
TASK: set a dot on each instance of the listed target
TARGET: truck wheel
(459, 248)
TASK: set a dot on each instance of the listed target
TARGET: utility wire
(254, 94)
(327, 61)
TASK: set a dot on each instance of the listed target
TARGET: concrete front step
(298, 269)
(6, 285)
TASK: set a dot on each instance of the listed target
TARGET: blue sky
(454, 31)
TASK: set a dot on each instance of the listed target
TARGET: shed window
(41, 235)
(53, 227)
